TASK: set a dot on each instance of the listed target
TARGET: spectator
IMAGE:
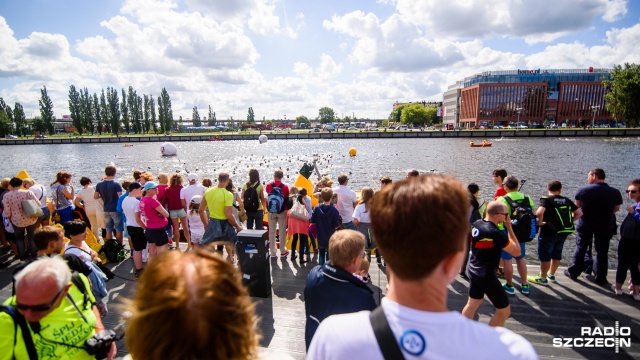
(347, 201)
(155, 220)
(12, 204)
(109, 191)
(362, 220)
(254, 200)
(326, 218)
(85, 200)
(277, 192)
(62, 195)
(41, 193)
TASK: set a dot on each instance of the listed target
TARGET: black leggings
(303, 244)
(628, 259)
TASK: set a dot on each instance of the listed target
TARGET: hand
(238, 228)
(631, 209)
(112, 353)
(507, 222)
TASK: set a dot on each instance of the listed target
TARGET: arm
(577, 214)
(68, 194)
(77, 202)
(140, 222)
(540, 215)
(184, 205)
(202, 211)
(228, 212)
(96, 195)
(513, 247)
(161, 210)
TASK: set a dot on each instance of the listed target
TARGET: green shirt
(259, 190)
(217, 199)
(515, 196)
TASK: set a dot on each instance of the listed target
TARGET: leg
(153, 251)
(522, 270)
(554, 267)
(282, 224)
(19, 234)
(601, 265)
(108, 223)
(31, 246)
(469, 310)
(321, 252)
(273, 220)
(500, 317)
(508, 271)
(294, 245)
(185, 229)
(463, 269)
(544, 268)
(176, 231)
(583, 241)
(303, 246)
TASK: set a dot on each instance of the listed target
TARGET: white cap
(196, 199)
(192, 177)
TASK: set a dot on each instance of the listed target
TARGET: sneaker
(293, 257)
(509, 289)
(551, 278)
(525, 289)
(138, 273)
(616, 291)
(284, 255)
(538, 280)
(500, 273)
(636, 297)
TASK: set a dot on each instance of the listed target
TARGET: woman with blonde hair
(362, 220)
(198, 295)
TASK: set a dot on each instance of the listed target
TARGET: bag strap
(77, 281)
(20, 321)
(386, 340)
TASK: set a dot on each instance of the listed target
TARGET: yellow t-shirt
(217, 198)
(63, 324)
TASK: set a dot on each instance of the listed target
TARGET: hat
(196, 199)
(149, 185)
(134, 185)
(192, 177)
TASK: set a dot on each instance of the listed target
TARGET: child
(326, 218)
(363, 272)
(196, 227)
(298, 230)
(362, 220)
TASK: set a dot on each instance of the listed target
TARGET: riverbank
(294, 135)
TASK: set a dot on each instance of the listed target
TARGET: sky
(286, 58)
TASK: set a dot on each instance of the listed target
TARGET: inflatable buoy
(352, 151)
(263, 139)
(168, 149)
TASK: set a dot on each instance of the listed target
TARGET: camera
(99, 344)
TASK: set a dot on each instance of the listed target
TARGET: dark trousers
(20, 240)
(600, 239)
(303, 244)
(628, 259)
(255, 220)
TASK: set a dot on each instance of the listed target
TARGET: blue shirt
(109, 190)
(597, 202)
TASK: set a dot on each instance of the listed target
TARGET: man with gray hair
(59, 316)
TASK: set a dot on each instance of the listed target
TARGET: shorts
(177, 214)
(523, 251)
(550, 247)
(219, 230)
(113, 220)
(46, 214)
(491, 286)
(157, 236)
(138, 237)
(196, 239)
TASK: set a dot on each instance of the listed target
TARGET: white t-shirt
(346, 198)
(360, 214)
(86, 195)
(131, 206)
(186, 193)
(72, 249)
(196, 227)
(40, 192)
(420, 334)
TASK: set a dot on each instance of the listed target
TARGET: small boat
(484, 143)
(127, 145)
(216, 138)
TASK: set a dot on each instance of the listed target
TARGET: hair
(473, 188)
(136, 174)
(15, 182)
(5, 182)
(209, 306)
(599, 173)
(278, 174)
(163, 178)
(294, 190)
(229, 187)
(502, 173)
(125, 184)
(147, 176)
(46, 234)
(326, 181)
(367, 195)
(206, 182)
(495, 207)
(45, 268)
(303, 192)
(223, 176)
(75, 227)
(385, 180)
(61, 178)
(419, 222)
(85, 181)
(344, 246)
(326, 194)
(175, 180)
(342, 179)
(635, 182)
(193, 207)
(511, 182)
(110, 170)
(413, 173)
(555, 186)
(365, 265)
(254, 176)
(28, 181)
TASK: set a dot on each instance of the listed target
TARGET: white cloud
(328, 67)
(615, 10)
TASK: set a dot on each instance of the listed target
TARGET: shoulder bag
(55, 215)
(31, 208)
(630, 228)
(299, 211)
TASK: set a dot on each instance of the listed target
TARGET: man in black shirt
(487, 243)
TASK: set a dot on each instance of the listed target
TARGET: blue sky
(285, 57)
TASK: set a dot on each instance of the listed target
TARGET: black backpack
(251, 199)
(563, 219)
(523, 220)
(113, 251)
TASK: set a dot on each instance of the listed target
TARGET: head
(346, 248)
(278, 174)
(199, 295)
(5, 182)
(633, 190)
(206, 182)
(146, 176)
(254, 176)
(84, 181)
(596, 175)
(49, 239)
(195, 202)
(223, 179)
(150, 189)
(135, 189)
(555, 187)
(510, 184)
(28, 182)
(193, 179)
(412, 173)
(343, 179)
(366, 196)
(294, 190)
(497, 212)
(175, 180)
(229, 186)
(125, 184)
(326, 194)
(325, 181)
(498, 176)
(75, 230)
(110, 170)
(62, 178)
(136, 174)
(419, 225)
(384, 181)
(364, 266)
(41, 286)
(473, 189)
(15, 183)
(163, 179)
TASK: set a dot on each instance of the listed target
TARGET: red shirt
(499, 192)
(172, 197)
(285, 188)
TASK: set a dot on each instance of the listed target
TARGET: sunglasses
(40, 308)
(631, 191)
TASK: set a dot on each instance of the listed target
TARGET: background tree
(46, 110)
(97, 113)
(20, 119)
(413, 114)
(124, 110)
(147, 113)
(104, 111)
(133, 109)
(165, 113)
(113, 109)
(432, 115)
(37, 124)
(195, 117)
(211, 119)
(5, 123)
(396, 115)
(251, 117)
(303, 120)
(140, 113)
(75, 109)
(86, 107)
(152, 108)
(327, 115)
(623, 93)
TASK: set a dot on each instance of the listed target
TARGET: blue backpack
(275, 199)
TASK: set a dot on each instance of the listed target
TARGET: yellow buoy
(352, 151)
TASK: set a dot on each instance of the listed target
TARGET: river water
(538, 160)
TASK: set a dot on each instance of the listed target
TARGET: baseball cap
(149, 185)
(192, 177)
(196, 199)
(134, 185)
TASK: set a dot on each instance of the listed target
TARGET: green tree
(432, 115)
(211, 119)
(133, 109)
(147, 113)
(623, 93)
(38, 125)
(396, 115)
(165, 114)
(75, 109)
(414, 114)
(303, 120)
(124, 110)
(152, 117)
(104, 112)
(20, 119)
(195, 117)
(86, 107)
(140, 114)
(97, 112)
(251, 117)
(113, 109)
(327, 115)
(5, 124)
(46, 110)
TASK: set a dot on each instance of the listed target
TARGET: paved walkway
(556, 311)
